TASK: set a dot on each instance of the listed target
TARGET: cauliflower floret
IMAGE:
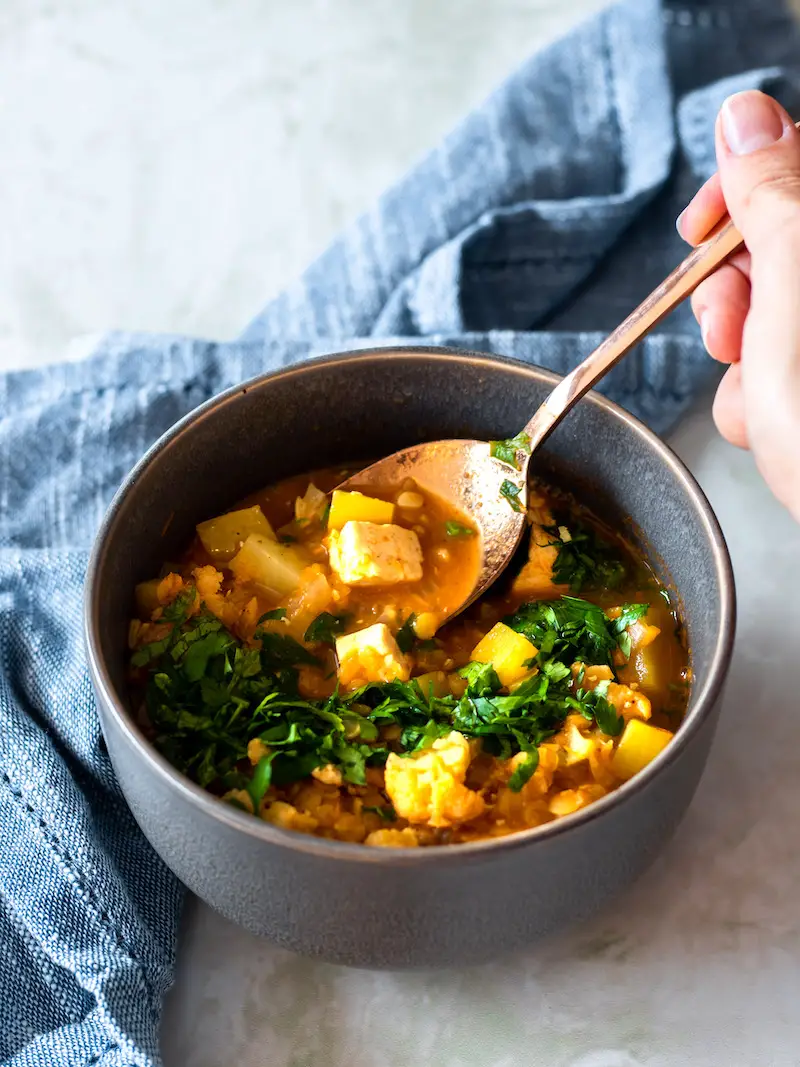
(368, 553)
(591, 676)
(406, 838)
(328, 775)
(428, 787)
(578, 746)
(228, 607)
(535, 580)
(370, 655)
(629, 702)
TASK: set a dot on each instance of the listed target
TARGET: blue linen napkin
(530, 231)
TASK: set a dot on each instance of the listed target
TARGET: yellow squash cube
(223, 536)
(640, 743)
(507, 651)
(355, 507)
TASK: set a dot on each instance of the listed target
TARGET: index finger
(705, 210)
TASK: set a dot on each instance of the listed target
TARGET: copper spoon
(469, 479)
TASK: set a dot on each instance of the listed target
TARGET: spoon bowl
(469, 478)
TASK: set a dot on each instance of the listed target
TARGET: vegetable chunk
(508, 652)
(356, 507)
(640, 743)
(535, 581)
(370, 655)
(365, 553)
(428, 787)
(275, 567)
(223, 536)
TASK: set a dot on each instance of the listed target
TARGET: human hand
(749, 309)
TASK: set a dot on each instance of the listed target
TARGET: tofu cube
(365, 553)
(356, 507)
(535, 581)
(507, 651)
(370, 655)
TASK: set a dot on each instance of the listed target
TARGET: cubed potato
(310, 506)
(223, 536)
(275, 567)
(507, 651)
(356, 507)
(147, 598)
(640, 743)
(366, 553)
(310, 599)
(370, 655)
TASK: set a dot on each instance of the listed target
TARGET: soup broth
(297, 663)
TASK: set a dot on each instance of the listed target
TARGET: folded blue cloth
(530, 231)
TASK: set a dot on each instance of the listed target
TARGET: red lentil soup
(296, 662)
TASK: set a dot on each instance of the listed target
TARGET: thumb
(758, 152)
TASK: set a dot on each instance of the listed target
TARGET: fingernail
(679, 222)
(705, 329)
(750, 120)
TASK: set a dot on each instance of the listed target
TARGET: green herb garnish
(386, 811)
(511, 492)
(629, 615)
(584, 559)
(406, 635)
(325, 627)
(481, 678)
(506, 451)
(458, 529)
(208, 695)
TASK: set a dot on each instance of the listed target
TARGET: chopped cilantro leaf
(511, 492)
(584, 559)
(458, 529)
(262, 777)
(506, 451)
(325, 627)
(568, 629)
(208, 695)
(406, 635)
(630, 614)
(595, 705)
(272, 616)
(524, 771)
(386, 811)
(481, 678)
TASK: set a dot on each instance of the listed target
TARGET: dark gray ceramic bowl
(418, 907)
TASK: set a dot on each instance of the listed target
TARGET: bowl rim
(114, 704)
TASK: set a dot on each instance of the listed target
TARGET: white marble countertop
(170, 166)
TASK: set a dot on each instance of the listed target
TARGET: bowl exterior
(470, 909)
(415, 907)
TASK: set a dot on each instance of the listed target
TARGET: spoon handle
(721, 242)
